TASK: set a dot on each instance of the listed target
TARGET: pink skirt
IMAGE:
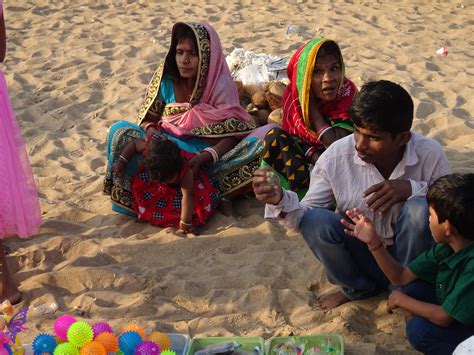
(19, 206)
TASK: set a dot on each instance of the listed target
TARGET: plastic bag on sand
(252, 68)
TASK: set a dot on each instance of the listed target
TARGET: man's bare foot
(331, 300)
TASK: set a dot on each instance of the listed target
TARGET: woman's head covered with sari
(214, 99)
(297, 96)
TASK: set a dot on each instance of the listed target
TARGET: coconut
(277, 88)
(251, 89)
(259, 100)
(262, 116)
(274, 101)
(276, 117)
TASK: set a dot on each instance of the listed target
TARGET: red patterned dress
(160, 203)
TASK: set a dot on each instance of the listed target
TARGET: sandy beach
(75, 67)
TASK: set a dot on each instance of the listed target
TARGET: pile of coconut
(263, 101)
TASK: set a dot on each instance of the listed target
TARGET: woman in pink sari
(193, 100)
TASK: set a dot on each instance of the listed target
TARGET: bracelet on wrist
(185, 224)
(123, 159)
(322, 131)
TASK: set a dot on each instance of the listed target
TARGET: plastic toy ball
(93, 348)
(161, 339)
(62, 324)
(66, 349)
(109, 341)
(44, 343)
(134, 328)
(101, 327)
(129, 341)
(148, 348)
(168, 352)
(79, 334)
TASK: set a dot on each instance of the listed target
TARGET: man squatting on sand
(383, 168)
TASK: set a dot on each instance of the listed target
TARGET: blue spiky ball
(128, 342)
(44, 343)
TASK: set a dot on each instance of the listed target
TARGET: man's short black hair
(383, 106)
(452, 198)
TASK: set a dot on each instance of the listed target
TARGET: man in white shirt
(383, 169)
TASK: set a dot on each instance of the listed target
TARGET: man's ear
(404, 138)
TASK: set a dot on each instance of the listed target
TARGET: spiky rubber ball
(79, 334)
(129, 341)
(134, 328)
(109, 340)
(44, 343)
(93, 348)
(101, 327)
(161, 339)
(66, 349)
(62, 324)
(148, 348)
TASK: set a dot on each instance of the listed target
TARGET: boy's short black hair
(383, 106)
(452, 198)
(162, 159)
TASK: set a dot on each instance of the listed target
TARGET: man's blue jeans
(426, 336)
(348, 262)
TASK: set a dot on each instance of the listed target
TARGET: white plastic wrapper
(252, 68)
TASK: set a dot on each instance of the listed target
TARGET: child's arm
(363, 229)
(430, 311)
(187, 188)
(132, 147)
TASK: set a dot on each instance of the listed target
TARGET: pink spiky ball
(62, 324)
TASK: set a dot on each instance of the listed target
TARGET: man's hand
(266, 186)
(387, 193)
(362, 228)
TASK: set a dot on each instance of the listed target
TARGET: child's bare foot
(331, 300)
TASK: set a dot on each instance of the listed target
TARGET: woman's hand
(362, 228)
(266, 186)
(198, 160)
(118, 167)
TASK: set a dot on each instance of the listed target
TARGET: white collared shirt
(341, 176)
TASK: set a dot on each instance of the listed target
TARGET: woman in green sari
(315, 113)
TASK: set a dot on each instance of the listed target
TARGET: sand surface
(75, 67)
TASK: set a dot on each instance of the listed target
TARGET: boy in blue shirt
(441, 306)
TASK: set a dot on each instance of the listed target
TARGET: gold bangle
(186, 224)
(123, 158)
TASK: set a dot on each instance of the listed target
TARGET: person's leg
(412, 232)
(8, 289)
(426, 336)
(347, 261)
(430, 338)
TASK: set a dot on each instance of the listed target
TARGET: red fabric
(160, 204)
(293, 121)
